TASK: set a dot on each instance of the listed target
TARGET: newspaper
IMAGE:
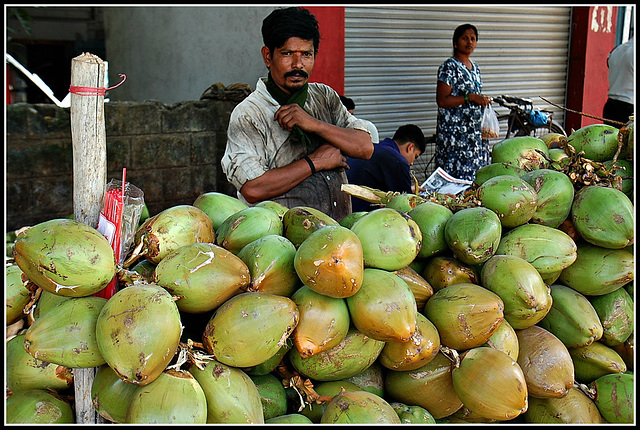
(443, 183)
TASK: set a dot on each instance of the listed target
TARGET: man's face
(291, 64)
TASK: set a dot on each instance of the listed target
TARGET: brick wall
(171, 152)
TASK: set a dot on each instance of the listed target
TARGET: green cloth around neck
(299, 98)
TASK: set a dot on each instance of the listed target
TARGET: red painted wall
(593, 35)
(329, 66)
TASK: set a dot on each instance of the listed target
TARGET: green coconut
(65, 257)
(505, 340)
(167, 231)
(405, 202)
(218, 206)
(138, 331)
(598, 270)
(247, 225)
(36, 406)
(466, 315)
(278, 208)
(431, 218)
(604, 217)
(330, 261)
(314, 411)
(510, 197)
(24, 372)
(324, 322)
(504, 395)
(419, 286)
(492, 170)
(473, 234)
(524, 152)
(574, 408)
(545, 361)
(250, 328)
(421, 348)
(555, 193)
(548, 249)
(615, 310)
(350, 219)
(595, 360)
(270, 260)
(615, 397)
(359, 407)
(390, 239)
(572, 318)
(429, 386)
(599, 142)
(527, 299)
(300, 221)
(66, 335)
(203, 275)
(232, 397)
(111, 395)
(17, 294)
(442, 271)
(412, 414)
(355, 353)
(174, 397)
(383, 308)
(272, 395)
(289, 419)
(45, 302)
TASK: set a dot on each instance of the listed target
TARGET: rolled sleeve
(243, 160)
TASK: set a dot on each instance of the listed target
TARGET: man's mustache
(300, 73)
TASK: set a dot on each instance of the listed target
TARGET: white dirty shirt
(256, 143)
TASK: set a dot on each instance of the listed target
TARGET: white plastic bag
(490, 125)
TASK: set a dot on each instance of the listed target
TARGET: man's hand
(351, 142)
(328, 157)
(289, 116)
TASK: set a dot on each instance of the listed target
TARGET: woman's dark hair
(284, 23)
(459, 31)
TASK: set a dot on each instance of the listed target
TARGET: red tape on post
(94, 91)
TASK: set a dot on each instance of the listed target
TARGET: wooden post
(88, 137)
(89, 179)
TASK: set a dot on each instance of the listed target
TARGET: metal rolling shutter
(392, 55)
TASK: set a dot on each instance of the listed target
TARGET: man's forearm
(275, 182)
(353, 143)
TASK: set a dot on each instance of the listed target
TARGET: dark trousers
(617, 110)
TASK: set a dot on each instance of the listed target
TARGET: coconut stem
(451, 354)
(590, 392)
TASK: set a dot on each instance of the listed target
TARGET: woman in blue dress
(460, 149)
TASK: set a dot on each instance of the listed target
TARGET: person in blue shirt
(389, 168)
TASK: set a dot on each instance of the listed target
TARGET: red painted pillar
(329, 66)
(593, 35)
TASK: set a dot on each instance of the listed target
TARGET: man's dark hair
(410, 133)
(281, 24)
(348, 102)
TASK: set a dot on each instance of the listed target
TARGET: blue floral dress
(460, 149)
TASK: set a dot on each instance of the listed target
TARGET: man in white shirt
(288, 140)
(620, 103)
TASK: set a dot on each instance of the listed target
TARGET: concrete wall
(171, 152)
(171, 54)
